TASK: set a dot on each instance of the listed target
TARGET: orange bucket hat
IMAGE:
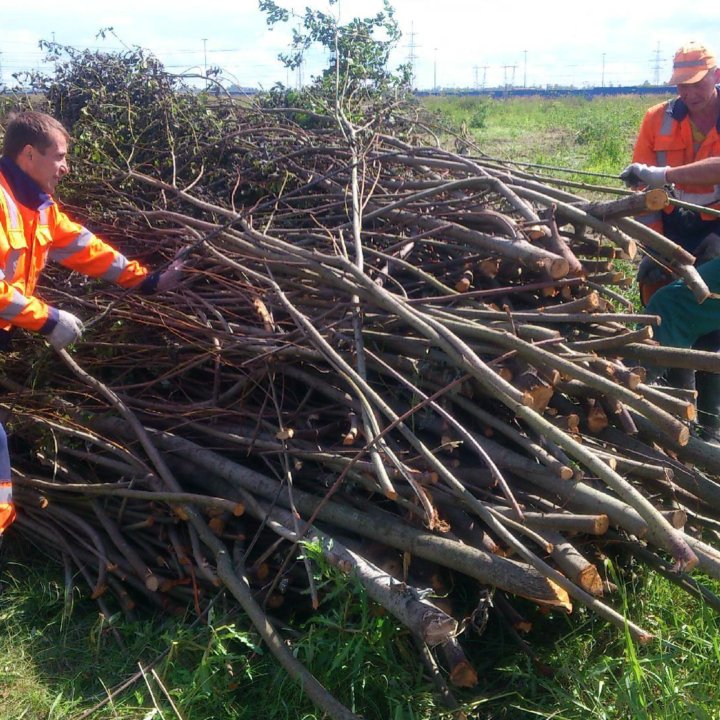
(691, 63)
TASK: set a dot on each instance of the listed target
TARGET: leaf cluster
(357, 75)
(125, 112)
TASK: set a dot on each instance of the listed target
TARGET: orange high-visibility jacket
(29, 238)
(666, 138)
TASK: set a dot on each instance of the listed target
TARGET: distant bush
(126, 112)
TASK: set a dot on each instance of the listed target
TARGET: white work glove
(639, 174)
(69, 328)
(708, 249)
(169, 279)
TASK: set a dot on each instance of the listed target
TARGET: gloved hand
(164, 280)
(708, 249)
(169, 279)
(639, 174)
(68, 329)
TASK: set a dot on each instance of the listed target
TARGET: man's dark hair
(29, 128)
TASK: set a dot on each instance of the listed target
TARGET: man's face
(48, 167)
(699, 95)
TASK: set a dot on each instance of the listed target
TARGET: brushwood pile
(416, 365)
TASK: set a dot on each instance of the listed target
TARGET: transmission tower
(657, 61)
(412, 55)
(476, 69)
(505, 71)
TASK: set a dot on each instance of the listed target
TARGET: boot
(708, 404)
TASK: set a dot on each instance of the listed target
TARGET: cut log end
(683, 436)
(656, 199)
(589, 580)
(558, 268)
(677, 518)
(560, 600)
(152, 583)
(464, 675)
(602, 523)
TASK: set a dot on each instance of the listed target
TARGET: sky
(453, 43)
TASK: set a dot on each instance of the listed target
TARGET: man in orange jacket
(34, 230)
(679, 142)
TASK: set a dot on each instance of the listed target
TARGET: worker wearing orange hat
(673, 134)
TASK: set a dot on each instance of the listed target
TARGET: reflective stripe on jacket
(28, 238)
(666, 138)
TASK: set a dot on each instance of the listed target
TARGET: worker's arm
(700, 172)
(75, 247)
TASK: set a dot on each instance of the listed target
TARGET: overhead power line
(657, 64)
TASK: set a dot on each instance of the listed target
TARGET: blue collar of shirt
(679, 110)
(26, 191)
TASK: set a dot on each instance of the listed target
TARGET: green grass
(601, 674)
(59, 657)
(589, 134)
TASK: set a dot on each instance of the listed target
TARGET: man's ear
(26, 153)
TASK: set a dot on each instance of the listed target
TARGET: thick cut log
(636, 204)
(426, 621)
(565, 522)
(573, 563)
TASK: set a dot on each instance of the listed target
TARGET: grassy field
(61, 657)
(589, 134)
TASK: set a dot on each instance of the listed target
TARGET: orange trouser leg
(7, 508)
(7, 516)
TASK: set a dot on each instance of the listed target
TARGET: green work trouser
(683, 319)
(685, 323)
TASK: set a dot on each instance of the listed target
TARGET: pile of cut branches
(417, 364)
